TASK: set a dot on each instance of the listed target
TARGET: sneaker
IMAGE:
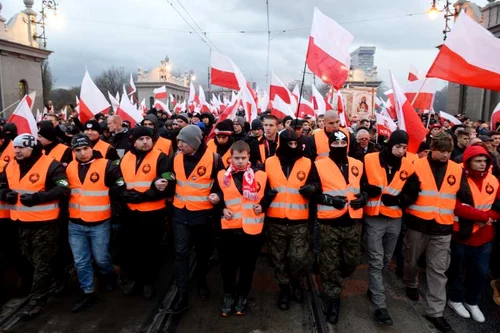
(440, 323)
(382, 317)
(240, 305)
(32, 310)
(495, 284)
(148, 292)
(476, 314)
(412, 294)
(129, 288)
(180, 303)
(85, 301)
(227, 305)
(459, 308)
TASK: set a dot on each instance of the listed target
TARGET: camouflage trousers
(39, 246)
(289, 249)
(339, 255)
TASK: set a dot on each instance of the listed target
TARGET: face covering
(337, 154)
(286, 152)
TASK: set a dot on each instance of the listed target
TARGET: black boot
(440, 323)
(382, 317)
(180, 303)
(297, 291)
(227, 305)
(332, 311)
(284, 297)
(84, 302)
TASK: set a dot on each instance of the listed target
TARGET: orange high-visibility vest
(141, 179)
(262, 150)
(411, 157)
(192, 191)
(163, 145)
(334, 184)
(434, 204)
(8, 154)
(102, 147)
(4, 207)
(288, 203)
(226, 159)
(33, 181)
(377, 176)
(322, 146)
(242, 208)
(483, 197)
(89, 201)
(58, 151)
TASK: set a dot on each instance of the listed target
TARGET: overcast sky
(139, 33)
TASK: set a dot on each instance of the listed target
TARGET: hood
(473, 151)
(10, 130)
(151, 117)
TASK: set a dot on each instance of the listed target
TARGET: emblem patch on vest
(403, 175)
(489, 188)
(355, 171)
(201, 171)
(6, 158)
(451, 180)
(258, 186)
(301, 175)
(146, 168)
(34, 177)
(94, 177)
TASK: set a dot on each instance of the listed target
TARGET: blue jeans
(87, 242)
(473, 262)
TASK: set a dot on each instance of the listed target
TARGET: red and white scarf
(249, 183)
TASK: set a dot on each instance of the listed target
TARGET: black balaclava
(337, 154)
(397, 137)
(286, 152)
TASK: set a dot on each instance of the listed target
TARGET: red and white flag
(278, 88)
(341, 110)
(203, 105)
(143, 108)
(470, 56)
(495, 117)
(385, 125)
(115, 104)
(92, 101)
(249, 104)
(224, 72)
(421, 93)
(305, 108)
(127, 111)
(328, 52)
(38, 115)
(160, 93)
(448, 117)
(180, 107)
(414, 74)
(30, 99)
(318, 101)
(23, 118)
(379, 103)
(281, 109)
(77, 106)
(173, 101)
(192, 93)
(296, 92)
(263, 104)
(159, 105)
(408, 119)
(132, 88)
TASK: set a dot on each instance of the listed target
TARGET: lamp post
(47, 5)
(448, 11)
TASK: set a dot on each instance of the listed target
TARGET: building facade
(363, 57)
(20, 60)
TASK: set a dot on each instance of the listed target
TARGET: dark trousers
(185, 237)
(141, 234)
(238, 250)
(468, 271)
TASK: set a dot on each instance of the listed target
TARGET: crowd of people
(316, 194)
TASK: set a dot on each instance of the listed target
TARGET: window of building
(23, 88)
(151, 102)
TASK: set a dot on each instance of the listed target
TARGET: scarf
(249, 184)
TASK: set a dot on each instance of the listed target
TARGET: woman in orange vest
(95, 182)
(383, 179)
(340, 202)
(144, 172)
(222, 141)
(241, 193)
(287, 216)
(33, 184)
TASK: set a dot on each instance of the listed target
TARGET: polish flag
(224, 73)
(328, 51)
(127, 111)
(341, 109)
(115, 104)
(143, 108)
(263, 101)
(30, 99)
(179, 108)
(408, 119)
(172, 100)
(249, 104)
(379, 103)
(38, 115)
(204, 106)
(414, 74)
(451, 119)
(470, 56)
(495, 117)
(23, 118)
(305, 108)
(385, 125)
(92, 101)
(64, 113)
(192, 93)
(160, 93)
(132, 88)
(159, 105)
(77, 106)
(424, 91)
(296, 92)
(318, 101)
(278, 88)
(281, 109)
(229, 113)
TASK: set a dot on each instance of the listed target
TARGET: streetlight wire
(268, 43)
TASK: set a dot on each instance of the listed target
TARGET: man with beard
(287, 216)
(33, 184)
(93, 130)
(160, 143)
(223, 141)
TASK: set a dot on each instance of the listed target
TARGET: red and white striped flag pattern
(281, 109)
(132, 88)
(495, 117)
(23, 118)
(115, 104)
(414, 74)
(224, 72)
(385, 125)
(92, 101)
(160, 93)
(127, 111)
(451, 119)
(318, 101)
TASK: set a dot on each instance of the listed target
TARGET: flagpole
(301, 88)
(418, 93)
(429, 118)
(9, 107)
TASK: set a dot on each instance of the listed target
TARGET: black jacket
(314, 152)
(255, 157)
(120, 141)
(67, 156)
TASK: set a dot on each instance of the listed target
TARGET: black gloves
(30, 200)
(372, 190)
(307, 190)
(390, 200)
(10, 197)
(360, 202)
(337, 202)
(132, 196)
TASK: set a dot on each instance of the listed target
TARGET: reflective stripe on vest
(192, 191)
(322, 145)
(288, 203)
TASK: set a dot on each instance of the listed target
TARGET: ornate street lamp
(448, 11)
(47, 6)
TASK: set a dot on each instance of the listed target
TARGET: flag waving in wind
(132, 85)
(92, 101)
(23, 118)
(224, 73)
